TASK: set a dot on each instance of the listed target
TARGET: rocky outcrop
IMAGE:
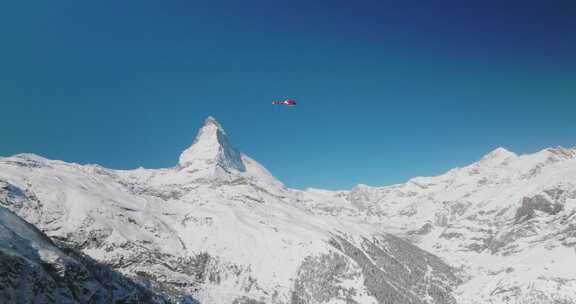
(35, 270)
(536, 203)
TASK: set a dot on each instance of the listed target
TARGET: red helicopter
(287, 102)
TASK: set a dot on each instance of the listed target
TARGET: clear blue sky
(386, 90)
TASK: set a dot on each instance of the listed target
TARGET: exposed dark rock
(246, 300)
(59, 274)
(425, 229)
(536, 203)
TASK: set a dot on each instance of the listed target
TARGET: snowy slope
(218, 227)
(35, 270)
(508, 222)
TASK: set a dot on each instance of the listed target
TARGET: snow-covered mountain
(507, 222)
(35, 270)
(219, 228)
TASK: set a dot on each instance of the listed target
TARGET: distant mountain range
(218, 228)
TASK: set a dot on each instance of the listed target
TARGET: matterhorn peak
(211, 150)
(212, 121)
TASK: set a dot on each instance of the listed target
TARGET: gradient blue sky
(386, 90)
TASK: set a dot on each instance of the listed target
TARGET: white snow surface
(221, 202)
(215, 200)
(473, 218)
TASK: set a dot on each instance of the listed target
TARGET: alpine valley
(218, 228)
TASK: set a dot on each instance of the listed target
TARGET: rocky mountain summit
(219, 228)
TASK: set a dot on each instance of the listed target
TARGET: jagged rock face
(530, 205)
(219, 228)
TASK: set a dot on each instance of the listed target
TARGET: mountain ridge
(210, 230)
